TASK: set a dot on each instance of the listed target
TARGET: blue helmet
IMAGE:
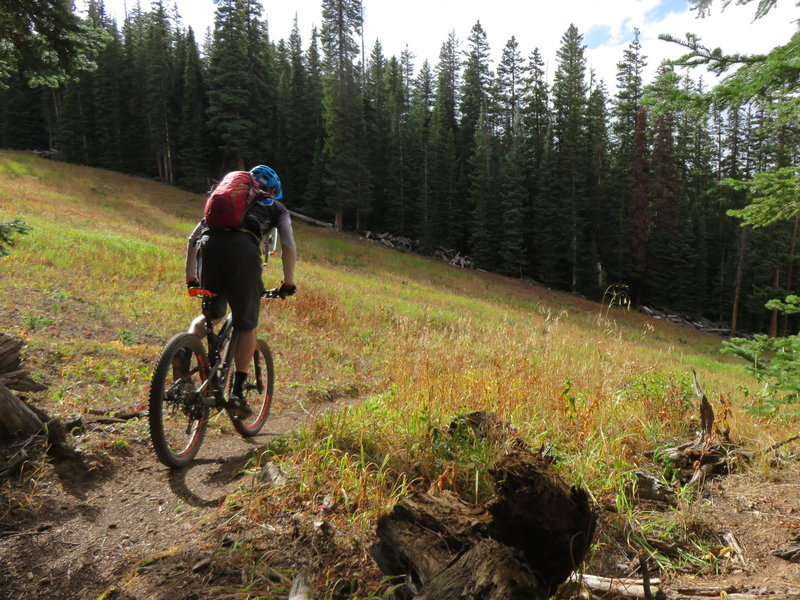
(267, 178)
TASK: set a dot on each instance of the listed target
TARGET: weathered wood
(535, 511)
(738, 554)
(717, 592)
(12, 375)
(301, 587)
(16, 417)
(488, 570)
(9, 352)
(706, 412)
(423, 533)
(533, 533)
(791, 552)
(619, 587)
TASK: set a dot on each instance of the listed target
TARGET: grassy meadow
(96, 288)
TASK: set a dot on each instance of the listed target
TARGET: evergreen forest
(574, 183)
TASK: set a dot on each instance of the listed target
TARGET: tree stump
(17, 417)
(522, 543)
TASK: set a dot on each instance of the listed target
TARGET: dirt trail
(99, 523)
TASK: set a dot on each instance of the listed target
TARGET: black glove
(287, 290)
(192, 283)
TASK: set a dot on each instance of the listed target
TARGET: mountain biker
(228, 262)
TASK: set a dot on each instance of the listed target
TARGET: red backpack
(227, 204)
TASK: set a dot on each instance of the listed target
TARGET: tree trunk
(773, 321)
(790, 272)
(740, 260)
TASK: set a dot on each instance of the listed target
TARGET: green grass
(96, 288)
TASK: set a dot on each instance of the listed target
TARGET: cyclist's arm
(191, 253)
(288, 249)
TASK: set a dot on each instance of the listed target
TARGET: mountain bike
(189, 384)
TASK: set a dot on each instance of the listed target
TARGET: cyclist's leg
(244, 294)
(245, 348)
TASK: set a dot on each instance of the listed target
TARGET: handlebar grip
(196, 292)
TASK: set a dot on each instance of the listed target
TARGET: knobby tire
(178, 419)
(258, 391)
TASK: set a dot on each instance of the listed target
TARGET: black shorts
(230, 266)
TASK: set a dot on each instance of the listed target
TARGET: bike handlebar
(198, 292)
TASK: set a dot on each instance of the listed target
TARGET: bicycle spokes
(178, 415)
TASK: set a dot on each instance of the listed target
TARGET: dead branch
(777, 445)
(738, 553)
(706, 412)
(110, 416)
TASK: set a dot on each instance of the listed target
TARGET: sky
(607, 26)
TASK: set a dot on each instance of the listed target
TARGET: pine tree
(193, 151)
(110, 102)
(313, 199)
(159, 58)
(475, 92)
(509, 87)
(513, 200)
(396, 180)
(268, 139)
(440, 192)
(569, 106)
(535, 119)
(21, 115)
(377, 122)
(346, 180)
(417, 161)
(230, 109)
(615, 247)
(591, 275)
(641, 216)
(302, 118)
(134, 132)
(666, 277)
(46, 43)
(486, 220)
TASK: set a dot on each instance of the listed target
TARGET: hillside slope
(378, 352)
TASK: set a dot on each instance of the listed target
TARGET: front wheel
(178, 417)
(257, 391)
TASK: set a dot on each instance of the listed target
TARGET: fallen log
(522, 543)
(318, 223)
(729, 594)
(619, 587)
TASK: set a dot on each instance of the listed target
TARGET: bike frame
(220, 350)
(220, 355)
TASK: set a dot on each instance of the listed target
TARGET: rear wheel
(257, 391)
(178, 417)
